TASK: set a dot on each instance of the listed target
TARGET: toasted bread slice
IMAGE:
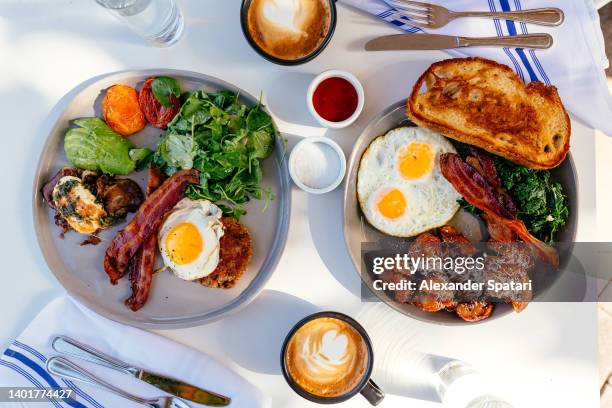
(485, 104)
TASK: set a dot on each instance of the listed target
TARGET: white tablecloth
(546, 356)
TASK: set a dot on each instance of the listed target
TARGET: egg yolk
(416, 160)
(392, 204)
(184, 243)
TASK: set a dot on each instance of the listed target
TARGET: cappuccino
(289, 29)
(327, 357)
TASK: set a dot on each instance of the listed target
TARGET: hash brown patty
(235, 254)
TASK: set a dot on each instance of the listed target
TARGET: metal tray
(357, 230)
(173, 303)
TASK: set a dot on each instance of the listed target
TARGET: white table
(544, 357)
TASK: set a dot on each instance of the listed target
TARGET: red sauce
(335, 99)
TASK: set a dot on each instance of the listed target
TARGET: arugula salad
(224, 140)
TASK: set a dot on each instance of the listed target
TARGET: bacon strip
(497, 229)
(486, 166)
(145, 223)
(481, 194)
(141, 268)
(547, 253)
(142, 265)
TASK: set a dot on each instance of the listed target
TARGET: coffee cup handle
(372, 393)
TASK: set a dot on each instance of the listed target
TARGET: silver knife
(442, 42)
(66, 345)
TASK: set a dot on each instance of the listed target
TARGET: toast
(485, 104)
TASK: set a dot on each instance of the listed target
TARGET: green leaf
(178, 150)
(141, 157)
(260, 144)
(230, 140)
(257, 119)
(163, 87)
(541, 203)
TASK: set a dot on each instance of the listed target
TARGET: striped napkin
(575, 64)
(23, 362)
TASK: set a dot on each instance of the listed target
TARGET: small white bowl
(339, 74)
(341, 161)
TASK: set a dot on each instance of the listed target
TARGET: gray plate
(357, 230)
(173, 303)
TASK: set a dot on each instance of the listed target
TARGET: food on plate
(474, 311)
(93, 145)
(482, 194)
(77, 204)
(439, 289)
(540, 200)
(121, 110)
(400, 188)
(146, 222)
(224, 140)
(206, 167)
(485, 104)
(159, 100)
(188, 239)
(141, 266)
(119, 196)
(86, 201)
(236, 250)
(289, 29)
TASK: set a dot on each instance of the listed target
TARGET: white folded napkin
(575, 64)
(23, 362)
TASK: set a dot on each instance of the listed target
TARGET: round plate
(357, 230)
(173, 303)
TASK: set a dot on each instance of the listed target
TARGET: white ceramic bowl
(336, 149)
(333, 73)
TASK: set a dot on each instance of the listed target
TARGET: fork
(427, 15)
(67, 369)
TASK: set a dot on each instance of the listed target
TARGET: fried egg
(400, 187)
(189, 238)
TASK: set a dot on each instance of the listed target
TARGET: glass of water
(159, 22)
(461, 386)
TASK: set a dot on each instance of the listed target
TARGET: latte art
(327, 357)
(289, 29)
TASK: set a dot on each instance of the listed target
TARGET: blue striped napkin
(575, 64)
(23, 362)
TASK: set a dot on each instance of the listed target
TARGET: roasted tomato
(121, 110)
(156, 114)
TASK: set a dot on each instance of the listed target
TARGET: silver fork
(67, 369)
(427, 15)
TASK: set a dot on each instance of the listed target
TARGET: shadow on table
(256, 334)
(290, 106)
(216, 34)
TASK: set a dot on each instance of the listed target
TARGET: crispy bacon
(497, 229)
(476, 190)
(141, 266)
(145, 223)
(547, 253)
(485, 166)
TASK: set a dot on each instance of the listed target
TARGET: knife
(442, 42)
(66, 345)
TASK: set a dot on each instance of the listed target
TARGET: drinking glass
(459, 385)
(159, 22)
